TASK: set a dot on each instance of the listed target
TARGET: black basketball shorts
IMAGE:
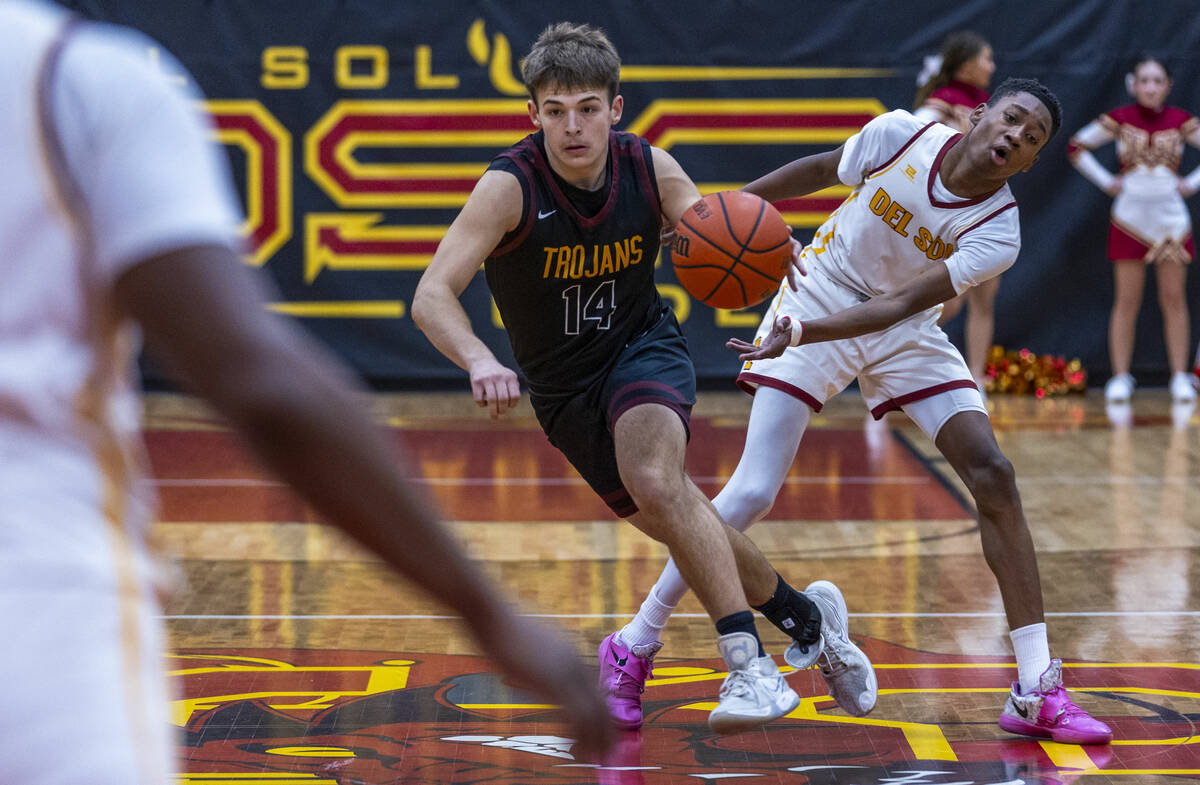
(655, 367)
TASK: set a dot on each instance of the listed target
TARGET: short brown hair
(572, 57)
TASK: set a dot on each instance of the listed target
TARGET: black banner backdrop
(357, 128)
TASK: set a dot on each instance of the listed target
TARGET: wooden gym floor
(299, 659)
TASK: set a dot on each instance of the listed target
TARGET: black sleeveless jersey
(573, 290)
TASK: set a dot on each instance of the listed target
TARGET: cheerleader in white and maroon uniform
(952, 84)
(1150, 223)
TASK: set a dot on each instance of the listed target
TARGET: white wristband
(797, 332)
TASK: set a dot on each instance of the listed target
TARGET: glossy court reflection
(301, 660)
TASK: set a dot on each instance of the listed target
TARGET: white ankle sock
(648, 623)
(1033, 654)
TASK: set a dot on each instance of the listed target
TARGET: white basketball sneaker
(754, 692)
(846, 670)
(1182, 389)
(1119, 388)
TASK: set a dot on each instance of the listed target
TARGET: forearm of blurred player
(202, 314)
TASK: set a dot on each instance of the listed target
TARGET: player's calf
(797, 616)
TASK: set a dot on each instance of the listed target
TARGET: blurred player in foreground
(118, 214)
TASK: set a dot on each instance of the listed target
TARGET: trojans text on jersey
(577, 261)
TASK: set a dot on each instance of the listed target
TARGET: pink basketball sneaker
(623, 677)
(1049, 713)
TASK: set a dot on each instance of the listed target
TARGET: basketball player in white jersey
(930, 216)
(116, 214)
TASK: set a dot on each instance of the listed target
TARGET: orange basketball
(731, 249)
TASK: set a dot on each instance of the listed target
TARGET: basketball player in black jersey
(568, 221)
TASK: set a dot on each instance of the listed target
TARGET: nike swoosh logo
(1024, 712)
(620, 661)
(542, 215)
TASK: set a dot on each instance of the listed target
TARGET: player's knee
(992, 482)
(655, 489)
(745, 504)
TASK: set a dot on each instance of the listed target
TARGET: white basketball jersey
(105, 164)
(900, 219)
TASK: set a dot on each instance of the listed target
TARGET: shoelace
(834, 664)
(1069, 708)
(627, 686)
(738, 684)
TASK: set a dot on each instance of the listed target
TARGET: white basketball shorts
(911, 365)
(86, 697)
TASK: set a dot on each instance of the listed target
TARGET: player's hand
(535, 658)
(666, 235)
(772, 345)
(495, 386)
(796, 267)
(1118, 185)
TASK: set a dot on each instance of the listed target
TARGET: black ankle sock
(742, 621)
(792, 612)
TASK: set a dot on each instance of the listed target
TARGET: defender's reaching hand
(784, 333)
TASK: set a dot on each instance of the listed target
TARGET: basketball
(731, 249)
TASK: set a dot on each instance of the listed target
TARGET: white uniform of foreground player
(76, 582)
(117, 209)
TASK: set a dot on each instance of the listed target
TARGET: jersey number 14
(598, 307)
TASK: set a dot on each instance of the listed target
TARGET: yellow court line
(927, 741)
(252, 777)
(1068, 756)
(1072, 759)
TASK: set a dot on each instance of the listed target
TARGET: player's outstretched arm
(202, 314)
(931, 287)
(799, 178)
(493, 209)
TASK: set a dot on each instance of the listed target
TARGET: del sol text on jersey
(898, 217)
(574, 261)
